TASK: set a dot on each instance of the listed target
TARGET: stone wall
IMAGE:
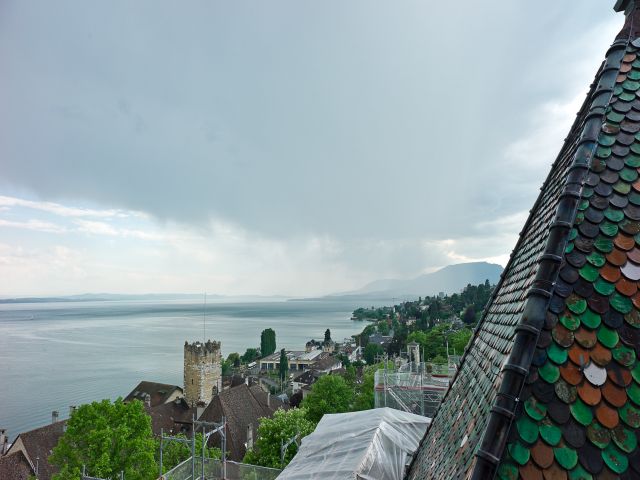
(202, 371)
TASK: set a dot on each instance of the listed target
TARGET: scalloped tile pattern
(465, 409)
(589, 414)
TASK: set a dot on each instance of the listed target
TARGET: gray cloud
(384, 121)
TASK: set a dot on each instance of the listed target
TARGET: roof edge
(565, 146)
(527, 331)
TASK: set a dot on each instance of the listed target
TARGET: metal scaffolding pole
(217, 428)
(187, 441)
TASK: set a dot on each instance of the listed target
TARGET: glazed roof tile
(576, 412)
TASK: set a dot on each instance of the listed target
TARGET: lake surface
(53, 355)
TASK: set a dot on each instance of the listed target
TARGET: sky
(278, 148)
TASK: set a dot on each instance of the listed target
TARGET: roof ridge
(516, 369)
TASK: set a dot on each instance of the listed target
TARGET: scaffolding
(414, 387)
(213, 469)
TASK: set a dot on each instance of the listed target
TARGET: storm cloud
(394, 132)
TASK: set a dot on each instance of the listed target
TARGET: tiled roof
(15, 466)
(172, 417)
(39, 444)
(241, 406)
(159, 392)
(565, 315)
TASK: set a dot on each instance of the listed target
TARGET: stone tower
(202, 371)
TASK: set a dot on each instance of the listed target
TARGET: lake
(53, 355)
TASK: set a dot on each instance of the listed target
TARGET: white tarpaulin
(369, 445)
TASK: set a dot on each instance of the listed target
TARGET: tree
(250, 355)
(174, 453)
(330, 394)
(458, 340)
(371, 351)
(234, 359)
(267, 342)
(284, 364)
(327, 336)
(272, 431)
(364, 399)
(469, 315)
(108, 438)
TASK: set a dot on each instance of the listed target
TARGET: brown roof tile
(15, 466)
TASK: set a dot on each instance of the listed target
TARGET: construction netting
(214, 469)
(369, 445)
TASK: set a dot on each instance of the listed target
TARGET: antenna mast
(204, 317)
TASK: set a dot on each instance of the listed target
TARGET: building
(242, 408)
(173, 418)
(297, 360)
(549, 386)
(36, 446)
(154, 393)
(379, 339)
(202, 371)
(15, 466)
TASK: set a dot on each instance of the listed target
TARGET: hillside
(450, 279)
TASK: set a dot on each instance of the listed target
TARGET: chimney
(4, 442)
(269, 399)
(249, 443)
(147, 400)
(72, 408)
(54, 416)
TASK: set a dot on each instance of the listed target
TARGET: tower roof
(550, 385)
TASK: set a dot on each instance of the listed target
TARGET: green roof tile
(598, 435)
(556, 353)
(609, 229)
(589, 273)
(615, 459)
(579, 473)
(630, 415)
(608, 338)
(624, 439)
(549, 372)
(566, 457)
(603, 287)
(581, 412)
(535, 409)
(596, 259)
(519, 453)
(589, 318)
(527, 428)
(549, 432)
(624, 355)
(570, 321)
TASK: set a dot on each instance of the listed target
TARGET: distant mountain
(450, 279)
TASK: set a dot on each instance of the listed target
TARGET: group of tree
(112, 437)
(329, 394)
(251, 354)
(433, 323)
(274, 431)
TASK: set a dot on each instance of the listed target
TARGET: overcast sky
(278, 147)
